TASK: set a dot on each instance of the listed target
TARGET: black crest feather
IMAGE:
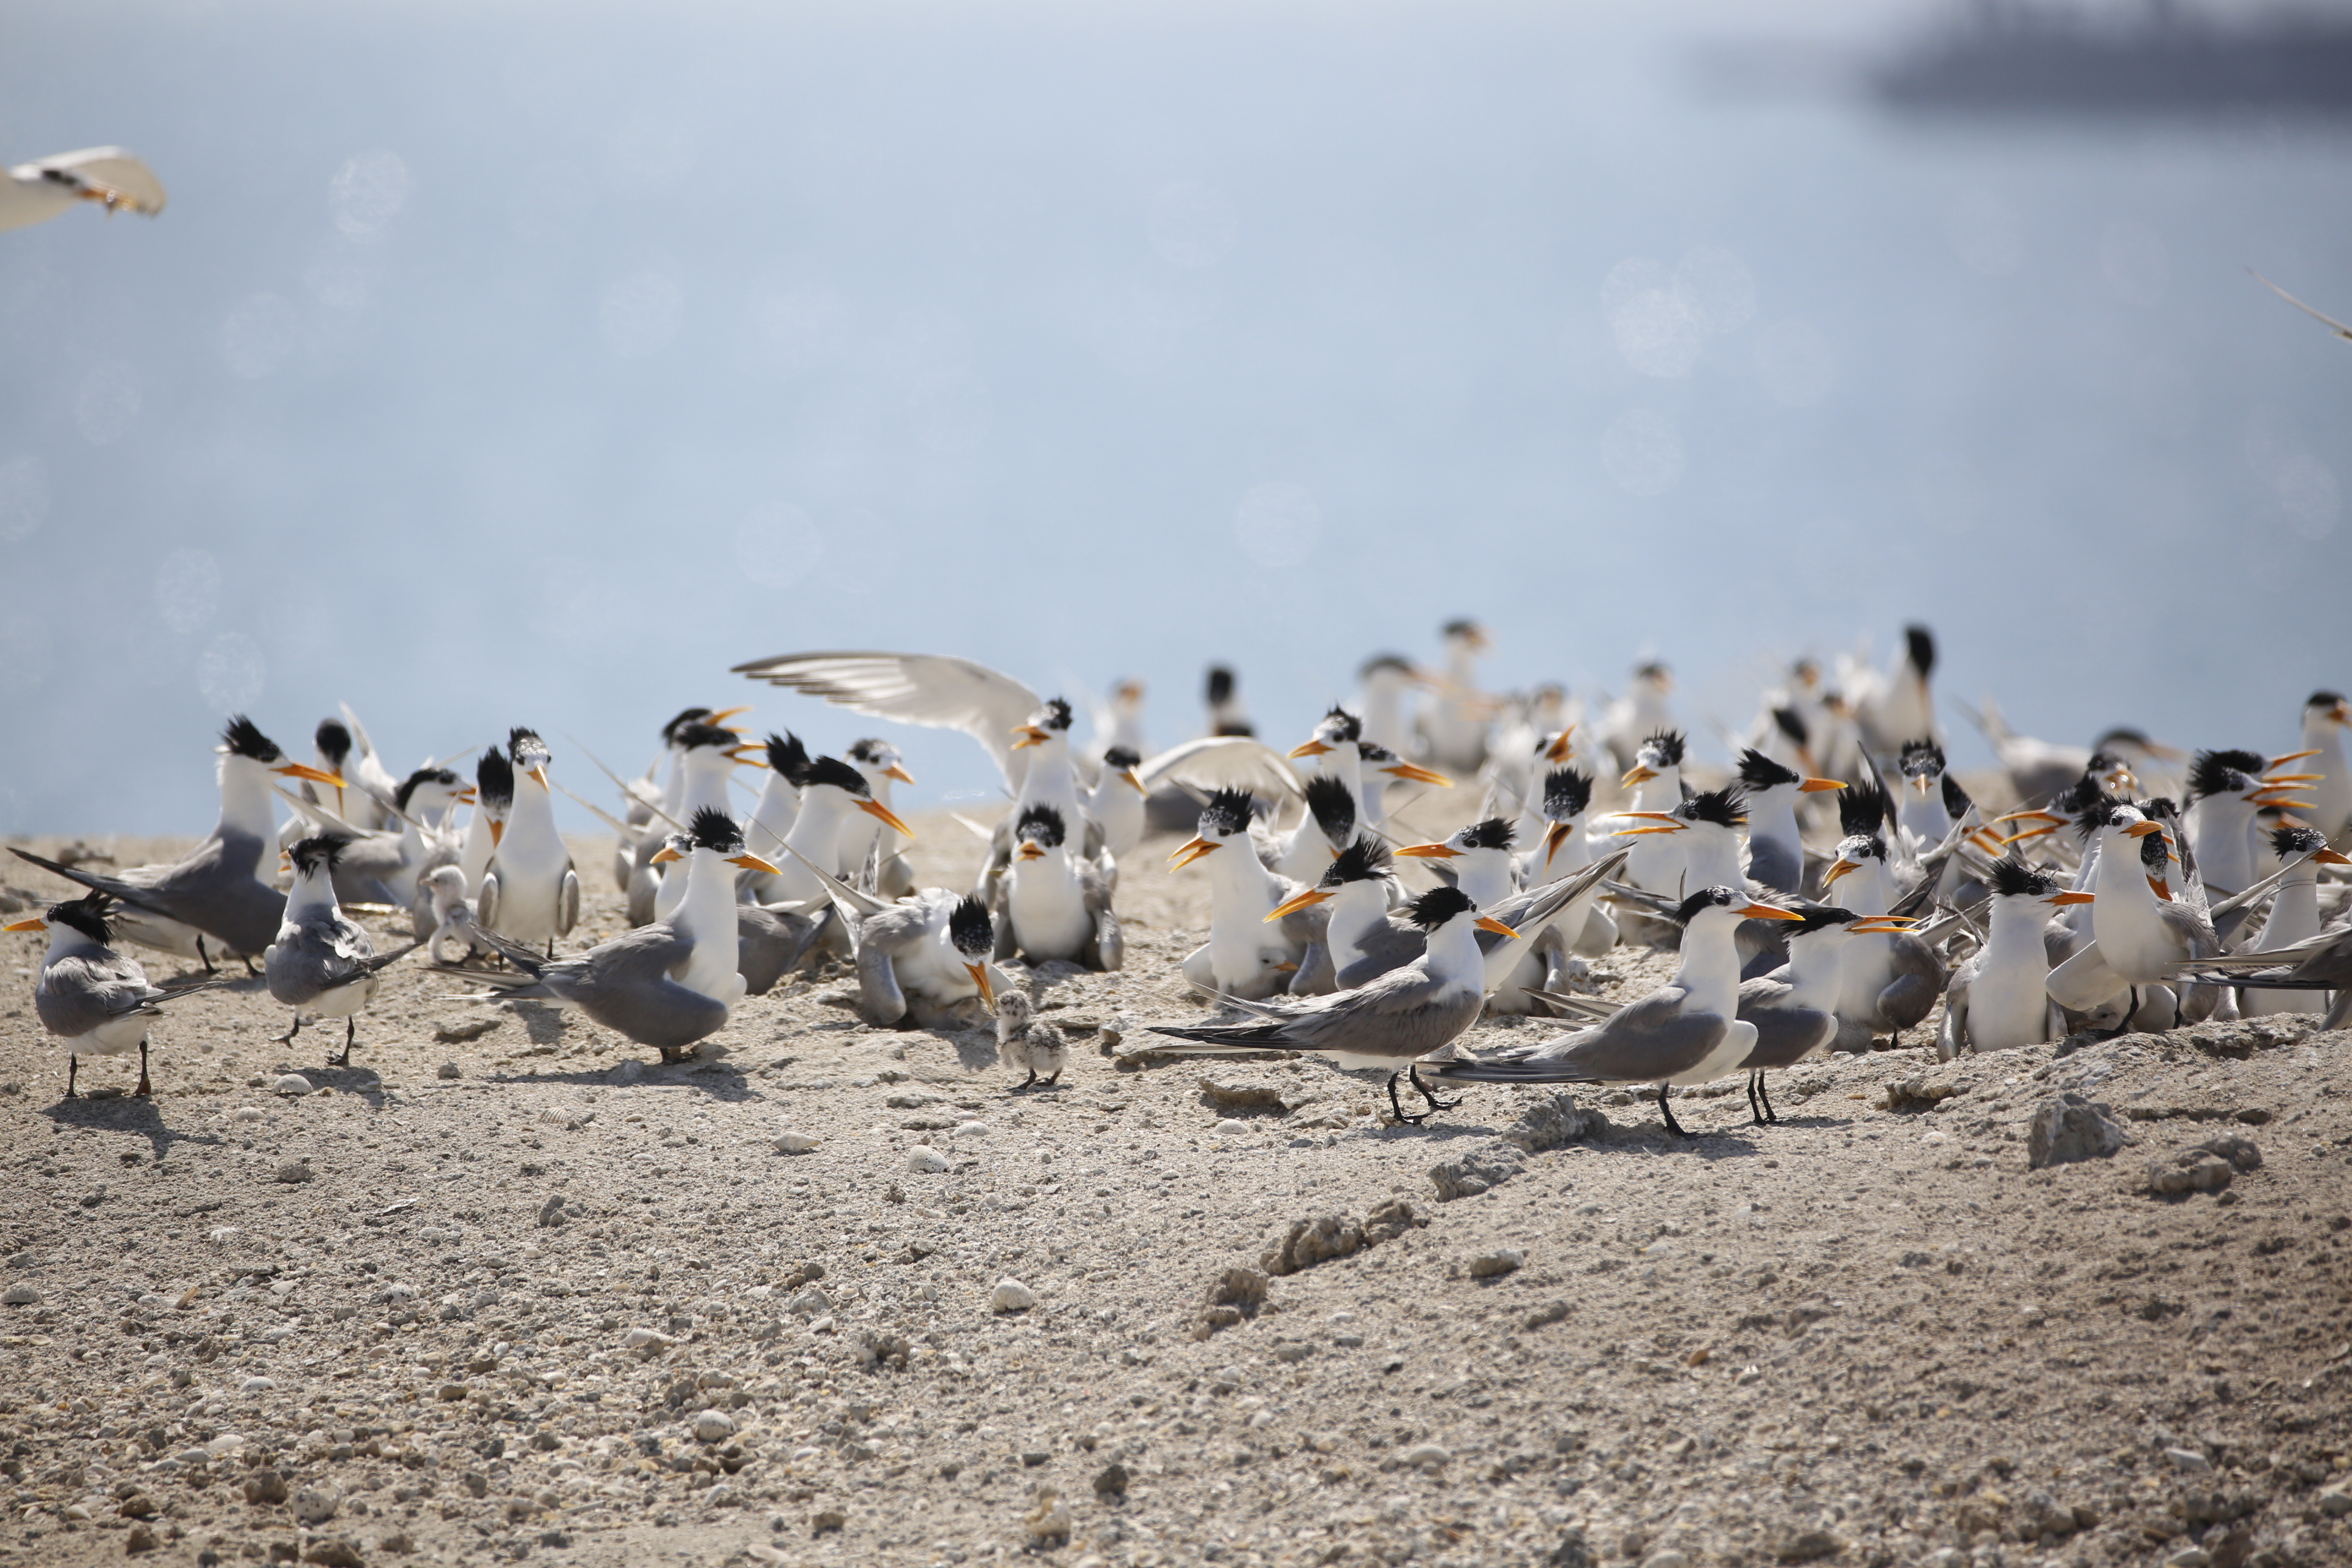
(494, 776)
(1056, 714)
(1818, 917)
(1920, 647)
(1226, 813)
(318, 853)
(243, 738)
(2012, 878)
(334, 741)
(1043, 823)
(1119, 759)
(1759, 772)
(2324, 700)
(1723, 807)
(872, 750)
(1861, 808)
(1494, 832)
(696, 735)
(1463, 629)
(789, 756)
(1956, 799)
(2296, 840)
(1333, 804)
(87, 915)
(969, 930)
(1566, 793)
(2223, 772)
(1383, 661)
(408, 790)
(1221, 686)
(839, 775)
(1921, 757)
(1366, 859)
(520, 740)
(1343, 724)
(713, 828)
(685, 716)
(1438, 905)
(1791, 723)
(1668, 744)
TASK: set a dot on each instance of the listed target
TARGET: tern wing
(927, 688)
(1645, 1042)
(103, 174)
(1224, 762)
(2338, 328)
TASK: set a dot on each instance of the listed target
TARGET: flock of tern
(1824, 892)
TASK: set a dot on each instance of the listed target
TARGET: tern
(94, 999)
(1022, 1041)
(384, 868)
(1119, 724)
(2324, 718)
(921, 960)
(1999, 998)
(494, 790)
(2293, 917)
(1394, 1022)
(1363, 938)
(1477, 858)
(530, 892)
(1052, 904)
(1776, 850)
(322, 959)
(703, 759)
(1655, 778)
(1453, 727)
(830, 791)
(1245, 956)
(1387, 680)
(1222, 693)
(772, 817)
(2139, 941)
(366, 775)
(1892, 979)
(1897, 706)
(224, 890)
(1564, 851)
(1685, 1032)
(32, 193)
(1641, 715)
(879, 765)
(1115, 801)
(669, 984)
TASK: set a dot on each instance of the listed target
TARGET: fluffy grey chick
(1023, 1042)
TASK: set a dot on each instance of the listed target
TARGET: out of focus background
(511, 363)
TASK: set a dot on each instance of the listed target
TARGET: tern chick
(1022, 1041)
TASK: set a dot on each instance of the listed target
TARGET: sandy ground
(557, 1302)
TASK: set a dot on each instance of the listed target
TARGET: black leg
(351, 1029)
(1397, 1106)
(1766, 1095)
(1673, 1126)
(251, 973)
(205, 958)
(73, 1065)
(144, 1087)
(1754, 1078)
(1026, 1081)
(1413, 1073)
(288, 1037)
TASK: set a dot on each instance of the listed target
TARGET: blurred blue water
(520, 364)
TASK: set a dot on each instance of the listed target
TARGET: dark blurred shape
(2043, 60)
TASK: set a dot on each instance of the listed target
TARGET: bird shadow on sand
(723, 1080)
(137, 1115)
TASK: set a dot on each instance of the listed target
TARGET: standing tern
(1477, 858)
(224, 890)
(322, 960)
(384, 868)
(1363, 938)
(1387, 680)
(772, 815)
(494, 791)
(2324, 718)
(1657, 780)
(1052, 903)
(1897, 706)
(1115, 801)
(704, 760)
(2293, 917)
(1394, 1022)
(670, 984)
(1640, 715)
(1454, 726)
(1222, 693)
(1892, 979)
(531, 893)
(2139, 941)
(32, 193)
(1999, 998)
(1776, 848)
(879, 765)
(1245, 956)
(94, 999)
(830, 790)
(1794, 1008)
(1685, 1032)
(1022, 1041)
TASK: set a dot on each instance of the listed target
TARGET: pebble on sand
(294, 1171)
(1230, 1125)
(926, 1158)
(1495, 1264)
(21, 1296)
(315, 1505)
(448, 1070)
(1011, 1296)
(292, 1083)
(713, 1426)
(795, 1142)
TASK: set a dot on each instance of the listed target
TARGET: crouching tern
(91, 998)
(1394, 1021)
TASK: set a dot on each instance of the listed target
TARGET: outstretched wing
(107, 175)
(2338, 328)
(927, 688)
(1225, 761)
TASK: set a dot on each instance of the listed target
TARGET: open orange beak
(1430, 851)
(1559, 750)
(895, 772)
(2160, 889)
(305, 771)
(1308, 748)
(2036, 815)
(750, 862)
(1030, 851)
(1669, 823)
(979, 973)
(36, 924)
(1636, 775)
(724, 714)
(1418, 775)
(1190, 850)
(2142, 829)
(2022, 837)
(2289, 757)
(1306, 900)
(1487, 922)
(1815, 786)
(539, 776)
(1877, 925)
(1554, 836)
(2064, 898)
(1031, 735)
(889, 818)
(1767, 912)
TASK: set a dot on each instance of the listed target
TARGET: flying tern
(31, 193)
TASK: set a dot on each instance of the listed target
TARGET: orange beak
(1837, 869)
(750, 862)
(1559, 750)
(498, 831)
(1190, 850)
(1309, 749)
(2064, 898)
(724, 714)
(1814, 786)
(1030, 851)
(1030, 736)
(1554, 836)
(889, 818)
(2330, 857)
(2160, 889)
(1636, 775)
(2142, 829)
(305, 771)
(1487, 922)
(1306, 900)
(1134, 781)
(895, 772)
(1418, 775)
(665, 855)
(36, 924)
(979, 973)
(1430, 851)
(1767, 912)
